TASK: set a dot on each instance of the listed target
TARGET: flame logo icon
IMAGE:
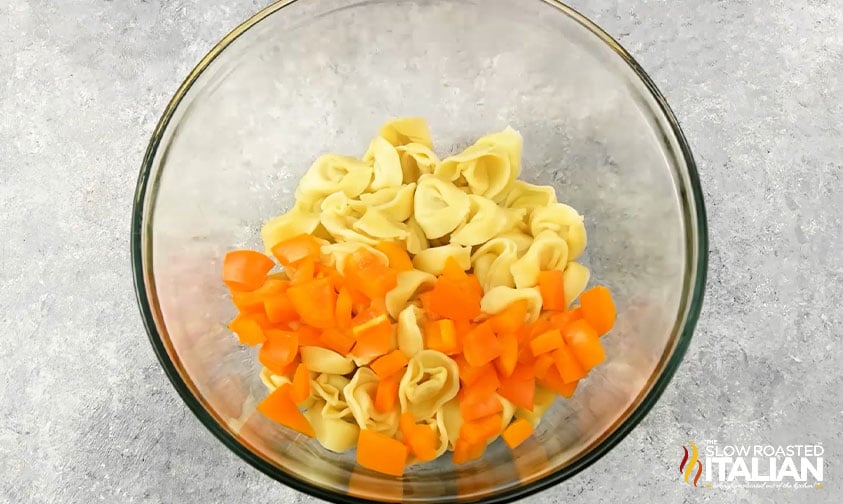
(686, 467)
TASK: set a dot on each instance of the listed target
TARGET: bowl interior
(305, 78)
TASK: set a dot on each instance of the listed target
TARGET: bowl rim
(697, 260)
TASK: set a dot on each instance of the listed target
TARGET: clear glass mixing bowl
(302, 78)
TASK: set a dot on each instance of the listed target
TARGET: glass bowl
(302, 78)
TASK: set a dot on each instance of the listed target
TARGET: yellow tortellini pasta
(563, 220)
(486, 170)
(376, 224)
(574, 279)
(407, 130)
(409, 283)
(334, 434)
(439, 207)
(327, 390)
(323, 360)
(511, 142)
(386, 165)
(484, 220)
(529, 196)
(492, 263)
(499, 298)
(360, 396)
(547, 252)
(409, 335)
(449, 418)
(416, 160)
(416, 239)
(394, 202)
(331, 173)
(431, 380)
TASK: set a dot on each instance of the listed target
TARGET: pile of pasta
(419, 305)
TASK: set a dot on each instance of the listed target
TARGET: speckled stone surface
(87, 415)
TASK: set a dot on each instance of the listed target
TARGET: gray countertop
(87, 415)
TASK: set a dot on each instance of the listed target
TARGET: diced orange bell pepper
(466, 452)
(598, 309)
(584, 344)
(338, 340)
(279, 309)
(253, 301)
(247, 329)
(546, 342)
(570, 369)
(481, 429)
(296, 249)
(389, 364)
(300, 389)
(315, 301)
(520, 387)
(245, 270)
(509, 354)
(552, 290)
(511, 318)
(381, 453)
(280, 407)
(473, 407)
(386, 394)
(365, 272)
(279, 350)
(481, 346)
(517, 432)
(553, 381)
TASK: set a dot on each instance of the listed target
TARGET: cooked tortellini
(563, 220)
(323, 360)
(510, 142)
(486, 169)
(492, 263)
(407, 130)
(386, 165)
(416, 160)
(529, 196)
(431, 380)
(331, 173)
(574, 278)
(327, 390)
(484, 220)
(449, 418)
(439, 206)
(335, 434)
(395, 202)
(409, 334)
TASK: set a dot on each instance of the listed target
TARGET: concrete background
(86, 414)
